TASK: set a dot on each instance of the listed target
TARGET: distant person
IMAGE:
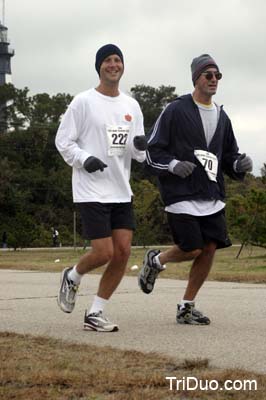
(55, 236)
(85, 244)
(100, 133)
(4, 240)
(190, 147)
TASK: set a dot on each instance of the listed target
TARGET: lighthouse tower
(5, 69)
(5, 52)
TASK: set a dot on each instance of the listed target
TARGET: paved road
(235, 338)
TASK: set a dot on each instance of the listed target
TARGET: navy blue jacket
(176, 134)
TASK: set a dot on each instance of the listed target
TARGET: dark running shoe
(97, 322)
(67, 293)
(189, 315)
(149, 272)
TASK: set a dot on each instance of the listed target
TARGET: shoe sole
(61, 304)
(185, 322)
(145, 270)
(87, 327)
(142, 285)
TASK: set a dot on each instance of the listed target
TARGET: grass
(39, 368)
(250, 267)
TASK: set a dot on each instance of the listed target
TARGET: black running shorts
(191, 232)
(99, 219)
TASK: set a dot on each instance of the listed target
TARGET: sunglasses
(209, 75)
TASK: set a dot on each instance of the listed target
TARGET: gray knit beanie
(199, 64)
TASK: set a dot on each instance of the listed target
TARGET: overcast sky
(55, 42)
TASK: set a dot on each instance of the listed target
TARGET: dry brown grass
(39, 368)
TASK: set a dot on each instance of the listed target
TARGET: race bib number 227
(117, 139)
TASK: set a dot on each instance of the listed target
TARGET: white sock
(74, 276)
(158, 262)
(183, 302)
(98, 304)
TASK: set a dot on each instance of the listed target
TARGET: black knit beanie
(199, 64)
(104, 52)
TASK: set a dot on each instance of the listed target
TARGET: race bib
(117, 139)
(209, 162)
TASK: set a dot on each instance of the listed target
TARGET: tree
(152, 101)
(16, 106)
(263, 173)
(35, 181)
(247, 217)
(150, 219)
(24, 110)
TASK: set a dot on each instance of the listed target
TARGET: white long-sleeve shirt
(103, 127)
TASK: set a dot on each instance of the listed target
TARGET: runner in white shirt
(100, 133)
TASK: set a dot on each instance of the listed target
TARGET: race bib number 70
(209, 162)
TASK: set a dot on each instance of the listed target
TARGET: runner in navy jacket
(176, 134)
(190, 147)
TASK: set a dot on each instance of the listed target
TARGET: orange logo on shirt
(128, 117)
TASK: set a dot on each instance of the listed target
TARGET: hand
(140, 142)
(244, 163)
(184, 168)
(93, 164)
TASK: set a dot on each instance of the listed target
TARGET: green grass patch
(249, 267)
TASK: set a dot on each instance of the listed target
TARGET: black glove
(93, 164)
(244, 163)
(140, 142)
(184, 168)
